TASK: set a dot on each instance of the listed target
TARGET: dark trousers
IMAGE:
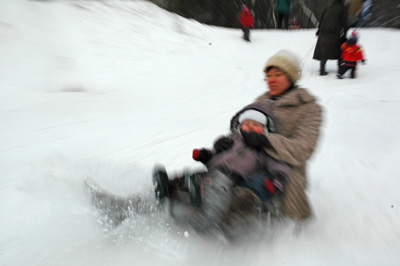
(283, 18)
(322, 65)
(257, 186)
(343, 69)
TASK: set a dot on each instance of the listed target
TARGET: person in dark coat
(331, 34)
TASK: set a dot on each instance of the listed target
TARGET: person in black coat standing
(331, 34)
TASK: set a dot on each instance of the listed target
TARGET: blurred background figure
(283, 8)
(354, 12)
(295, 24)
(246, 19)
(360, 12)
(365, 13)
(331, 34)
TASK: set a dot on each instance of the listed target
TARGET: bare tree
(384, 13)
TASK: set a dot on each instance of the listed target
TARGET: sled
(246, 214)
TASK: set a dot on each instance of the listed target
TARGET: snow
(105, 89)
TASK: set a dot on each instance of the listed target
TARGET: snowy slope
(105, 89)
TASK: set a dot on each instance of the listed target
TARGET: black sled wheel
(160, 182)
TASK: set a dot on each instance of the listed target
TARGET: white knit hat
(253, 115)
(286, 61)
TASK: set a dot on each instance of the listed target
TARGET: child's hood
(259, 106)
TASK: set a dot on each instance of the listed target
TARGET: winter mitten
(202, 155)
(255, 140)
(223, 144)
(364, 62)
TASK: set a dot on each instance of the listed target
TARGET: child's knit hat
(353, 38)
(286, 61)
(254, 115)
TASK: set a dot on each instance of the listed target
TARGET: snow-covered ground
(105, 89)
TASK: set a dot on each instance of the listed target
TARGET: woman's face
(278, 81)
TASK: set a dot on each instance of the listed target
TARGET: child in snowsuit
(351, 53)
(233, 162)
(239, 179)
(247, 21)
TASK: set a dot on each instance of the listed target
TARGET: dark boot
(322, 71)
(163, 187)
(160, 182)
(353, 73)
(246, 34)
(339, 63)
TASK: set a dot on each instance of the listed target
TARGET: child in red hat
(351, 54)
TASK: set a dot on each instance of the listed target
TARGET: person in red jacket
(247, 21)
(351, 54)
